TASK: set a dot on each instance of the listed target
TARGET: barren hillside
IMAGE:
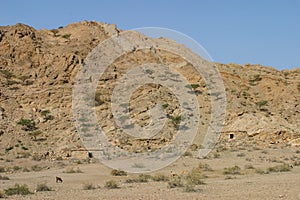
(37, 73)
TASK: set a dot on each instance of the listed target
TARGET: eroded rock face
(38, 70)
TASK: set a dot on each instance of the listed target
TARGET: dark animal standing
(59, 180)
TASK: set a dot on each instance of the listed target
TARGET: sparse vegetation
(240, 155)
(235, 170)
(45, 112)
(2, 169)
(25, 169)
(42, 187)
(7, 74)
(160, 177)
(165, 105)
(190, 188)
(17, 190)
(176, 120)
(195, 177)
(249, 166)
(230, 177)
(24, 122)
(24, 148)
(72, 170)
(205, 167)
(28, 124)
(187, 154)
(23, 78)
(88, 186)
(8, 149)
(216, 155)
(116, 172)
(46, 115)
(142, 178)
(4, 178)
(66, 36)
(256, 78)
(261, 103)
(111, 184)
(175, 182)
(35, 133)
(260, 171)
(36, 168)
(264, 152)
(280, 168)
(16, 168)
(193, 86)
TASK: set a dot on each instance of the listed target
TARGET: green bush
(193, 86)
(25, 122)
(17, 190)
(45, 112)
(176, 120)
(28, 124)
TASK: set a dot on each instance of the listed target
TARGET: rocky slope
(37, 74)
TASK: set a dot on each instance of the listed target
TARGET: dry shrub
(111, 184)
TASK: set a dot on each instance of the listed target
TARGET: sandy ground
(248, 185)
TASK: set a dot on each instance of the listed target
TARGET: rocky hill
(37, 74)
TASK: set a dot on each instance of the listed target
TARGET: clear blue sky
(263, 32)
